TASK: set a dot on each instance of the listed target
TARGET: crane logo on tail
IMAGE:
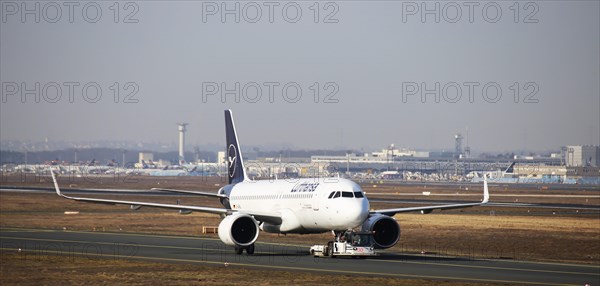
(231, 159)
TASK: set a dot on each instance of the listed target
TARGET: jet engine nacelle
(386, 231)
(238, 230)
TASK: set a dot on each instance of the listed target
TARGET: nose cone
(364, 210)
(353, 210)
(357, 213)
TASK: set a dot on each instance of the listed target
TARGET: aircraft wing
(206, 194)
(428, 209)
(260, 216)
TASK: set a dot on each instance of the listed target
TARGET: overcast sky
(371, 62)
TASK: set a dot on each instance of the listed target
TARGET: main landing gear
(240, 249)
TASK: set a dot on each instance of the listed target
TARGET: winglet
(55, 183)
(486, 193)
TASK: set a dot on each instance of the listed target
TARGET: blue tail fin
(235, 164)
(510, 168)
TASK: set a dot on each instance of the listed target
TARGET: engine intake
(386, 231)
(238, 230)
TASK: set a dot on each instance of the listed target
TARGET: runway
(197, 250)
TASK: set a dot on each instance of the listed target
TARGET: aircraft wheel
(239, 250)
(330, 250)
(250, 249)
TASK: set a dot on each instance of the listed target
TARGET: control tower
(458, 149)
(182, 129)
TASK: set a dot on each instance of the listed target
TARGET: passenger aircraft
(310, 205)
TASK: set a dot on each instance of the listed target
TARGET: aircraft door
(316, 201)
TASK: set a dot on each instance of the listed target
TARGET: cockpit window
(338, 194)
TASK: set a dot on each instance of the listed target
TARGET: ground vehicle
(349, 243)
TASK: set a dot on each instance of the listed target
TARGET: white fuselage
(312, 205)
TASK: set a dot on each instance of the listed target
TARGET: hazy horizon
(172, 146)
(165, 59)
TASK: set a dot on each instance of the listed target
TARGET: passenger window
(337, 195)
(347, 195)
(358, 195)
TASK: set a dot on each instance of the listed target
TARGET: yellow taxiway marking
(222, 250)
(500, 260)
(291, 245)
(294, 245)
(487, 267)
(137, 234)
(118, 243)
(17, 230)
(309, 269)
